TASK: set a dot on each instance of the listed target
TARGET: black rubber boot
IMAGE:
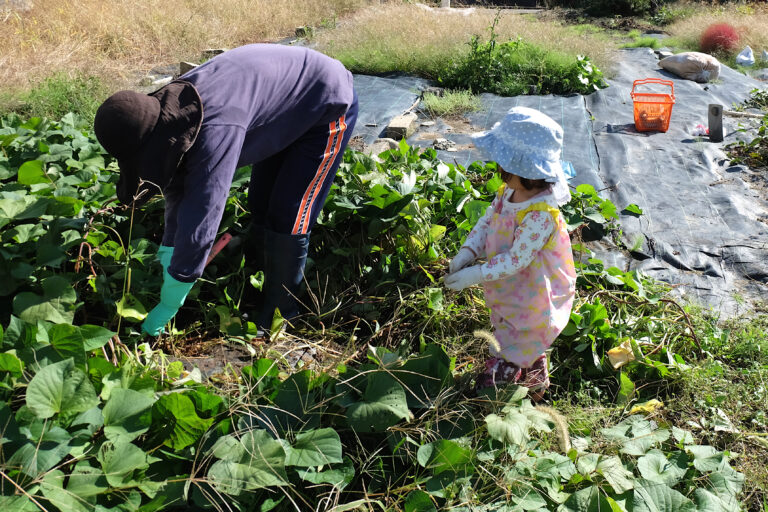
(284, 258)
(253, 249)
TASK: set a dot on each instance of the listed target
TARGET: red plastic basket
(653, 110)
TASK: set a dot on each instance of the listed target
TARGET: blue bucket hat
(528, 143)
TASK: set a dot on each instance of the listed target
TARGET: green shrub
(60, 93)
(643, 42)
(666, 15)
(519, 67)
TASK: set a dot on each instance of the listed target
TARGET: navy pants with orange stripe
(288, 189)
(286, 194)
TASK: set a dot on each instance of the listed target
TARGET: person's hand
(463, 258)
(464, 278)
(157, 319)
(172, 296)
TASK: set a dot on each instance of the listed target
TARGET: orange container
(653, 110)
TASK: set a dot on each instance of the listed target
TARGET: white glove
(464, 278)
(463, 258)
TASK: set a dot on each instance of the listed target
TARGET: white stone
(161, 82)
(402, 126)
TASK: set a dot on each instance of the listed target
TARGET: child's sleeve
(476, 238)
(530, 237)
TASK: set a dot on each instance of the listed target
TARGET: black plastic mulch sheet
(381, 98)
(704, 229)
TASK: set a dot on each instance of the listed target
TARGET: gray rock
(162, 81)
(444, 144)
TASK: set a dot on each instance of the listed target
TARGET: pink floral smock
(529, 276)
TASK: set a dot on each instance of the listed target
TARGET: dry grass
(117, 39)
(121, 40)
(407, 37)
(751, 22)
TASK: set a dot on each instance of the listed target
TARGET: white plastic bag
(696, 66)
(746, 57)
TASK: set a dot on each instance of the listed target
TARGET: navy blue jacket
(257, 100)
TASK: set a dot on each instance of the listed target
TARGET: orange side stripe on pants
(336, 131)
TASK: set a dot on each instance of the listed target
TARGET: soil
(578, 17)
(450, 125)
(357, 143)
(218, 357)
(460, 124)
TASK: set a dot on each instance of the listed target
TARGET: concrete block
(210, 53)
(402, 126)
(186, 66)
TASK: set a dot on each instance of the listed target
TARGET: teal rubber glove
(164, 254)
(172, 296)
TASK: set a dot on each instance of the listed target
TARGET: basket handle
(654, 81)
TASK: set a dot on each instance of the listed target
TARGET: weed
(450, 103)
(643, 42)
(518, 67)
(59, 94)
(758, 99)
(753, 153)
(666, 14)
(727, 405)
(586, 28)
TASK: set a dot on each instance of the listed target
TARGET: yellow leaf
(621, 355)
(647, 407)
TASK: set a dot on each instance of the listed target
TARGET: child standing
(529, 277)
